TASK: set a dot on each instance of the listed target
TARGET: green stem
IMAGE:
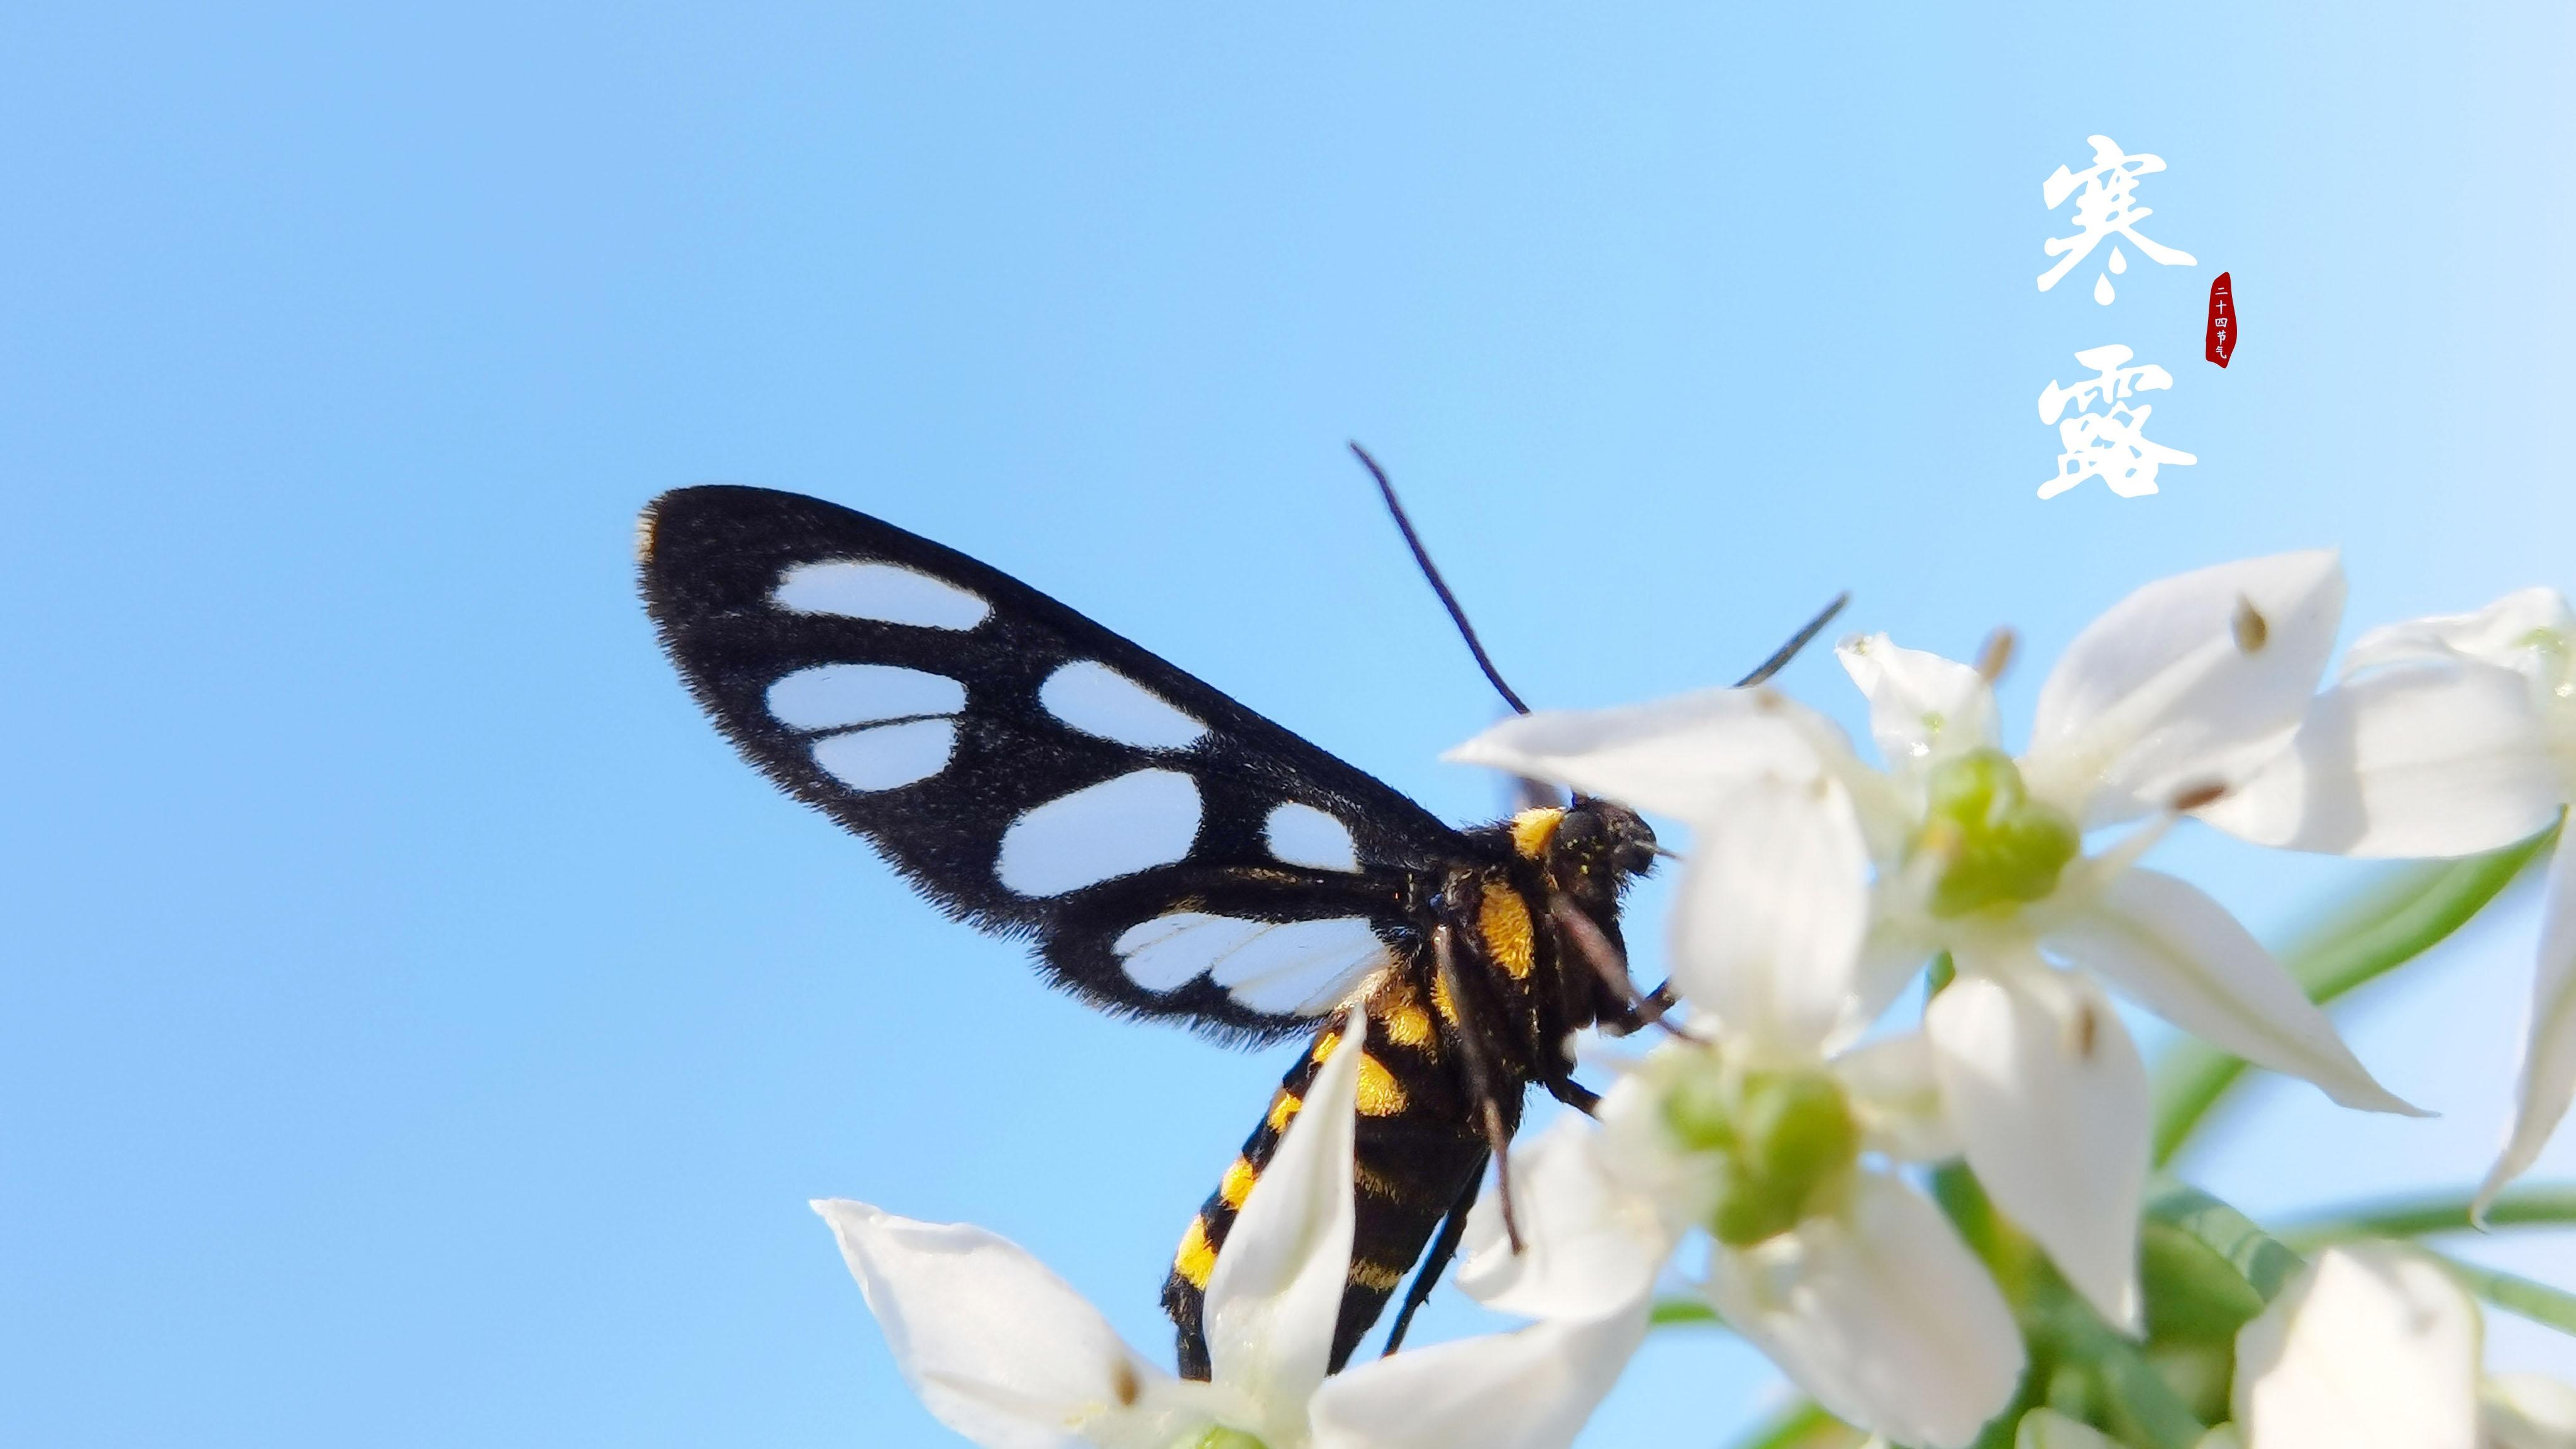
(1793, 1428)
(2425, 1214)
(2061, 1328)
(1678, 1312)
(2393, 924)
(2136, 1404)
(2538, 1302)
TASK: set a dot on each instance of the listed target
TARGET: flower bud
(1700, 1111)
(1781, 1138)
(1994, 843)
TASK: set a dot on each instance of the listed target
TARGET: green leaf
(2401, 916)
(2258, 1259)
(2192, 1293)
(2207, 1271)
(2542, 1304)
(2425, 1214)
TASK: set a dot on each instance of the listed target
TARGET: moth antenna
(1781, 656)
(1440, 586)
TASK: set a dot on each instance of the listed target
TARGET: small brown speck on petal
(2206, 793)
(2252, 630)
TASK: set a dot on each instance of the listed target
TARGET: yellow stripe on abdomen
(1237, 1184)
(1197, 1257)
(1381, 1095)
(1378, 1276)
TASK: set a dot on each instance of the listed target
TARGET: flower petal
(998, 1348)
(1892, 954)
(1896, 1093)
(1526, 1390)
(1639, 1149)
(2371, 1348)
(2190, 682)
(2050, 1098)
(1678, 756)
(1276, 1291)
(2526, 1411)
(1920, 704)
(1773, 905)
(2500, 633)
(2549, 1046)
(1880, 1314)
(2429, 760)
(1590, 1246)
(2179, 954)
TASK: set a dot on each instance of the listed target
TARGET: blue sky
(417, 1028)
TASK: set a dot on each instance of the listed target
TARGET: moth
(1169, 853)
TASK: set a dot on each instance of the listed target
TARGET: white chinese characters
(2105, 206)
(2112, 444)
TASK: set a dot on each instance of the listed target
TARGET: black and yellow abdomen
(1419, 1147)
(1500, 1016)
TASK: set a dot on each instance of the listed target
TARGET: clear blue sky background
(416, 1028)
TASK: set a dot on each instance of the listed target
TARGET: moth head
(1599, 846)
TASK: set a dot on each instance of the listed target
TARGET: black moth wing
(804, 628)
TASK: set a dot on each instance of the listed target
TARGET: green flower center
(1218, 1436)
(1779, 1139)
(1995, 843)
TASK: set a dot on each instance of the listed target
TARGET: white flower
(2158, 709)
(2526, 1411)
(2371, 1346)
(1005, 1353)
(2375, 1347)
(2448, 736)
(1845, 1276)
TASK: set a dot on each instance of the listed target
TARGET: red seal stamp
(2222, 320)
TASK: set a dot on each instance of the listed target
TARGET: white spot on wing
(828, 696)
(1140, 819)
(888, 593)
(1098, 700)
(1302, 968)
(887, 755)
(1304, 835)
(1165, 953)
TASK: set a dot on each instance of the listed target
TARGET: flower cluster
(1790, 1127)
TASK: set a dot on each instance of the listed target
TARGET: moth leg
(1657, 1002)
(1443, 1248)
(1611, 965)
(1572, 1093)
(1480, 1073)
(1594, 946)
